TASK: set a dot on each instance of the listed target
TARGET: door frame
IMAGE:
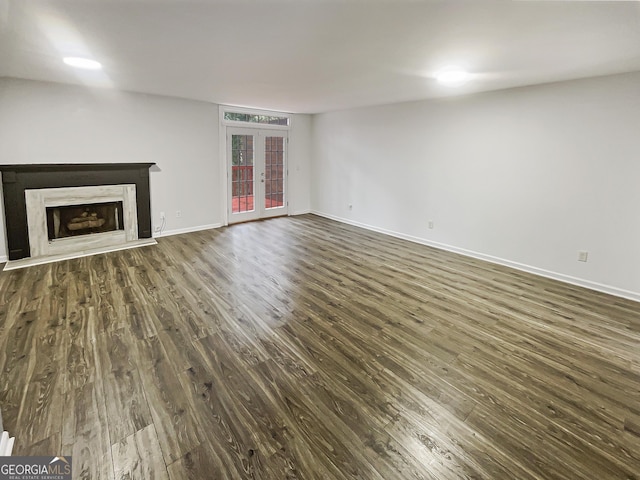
(225, 170)
(260, 211)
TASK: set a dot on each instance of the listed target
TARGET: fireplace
(79, 216)
(67, 209)
(75, 220)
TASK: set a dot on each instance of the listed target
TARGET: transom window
(256, 118)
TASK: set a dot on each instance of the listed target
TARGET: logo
(35, 468)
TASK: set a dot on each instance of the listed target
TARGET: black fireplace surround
(18, 178)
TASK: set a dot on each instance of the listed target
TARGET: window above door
(249, 117)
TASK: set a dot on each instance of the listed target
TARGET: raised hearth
(54, 209)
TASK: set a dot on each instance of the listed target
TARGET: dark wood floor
(304, 348)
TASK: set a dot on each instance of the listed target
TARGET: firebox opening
(73, 220)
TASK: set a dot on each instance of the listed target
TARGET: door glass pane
(242, 153)
(273, 172)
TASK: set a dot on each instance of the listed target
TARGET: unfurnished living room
(320, 239)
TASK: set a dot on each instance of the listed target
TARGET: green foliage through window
(253, 118)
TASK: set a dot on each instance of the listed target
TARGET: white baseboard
(618, 292)
(179, 231)
(3, 258)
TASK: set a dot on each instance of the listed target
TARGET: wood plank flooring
(304, 348)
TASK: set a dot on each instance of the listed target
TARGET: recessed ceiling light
(80, 62)
(452, 76)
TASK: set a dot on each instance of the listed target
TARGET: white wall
(52, 123)
(526, 177)
(299, 157)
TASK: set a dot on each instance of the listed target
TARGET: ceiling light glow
(452, 76)
(80, 62)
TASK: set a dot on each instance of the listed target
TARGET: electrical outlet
(582, 256)
(430, 224)
(178, 213)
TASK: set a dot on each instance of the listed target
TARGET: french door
(257, 173)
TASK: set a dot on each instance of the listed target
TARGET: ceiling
(309, 56)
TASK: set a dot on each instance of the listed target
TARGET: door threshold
(258, 219)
